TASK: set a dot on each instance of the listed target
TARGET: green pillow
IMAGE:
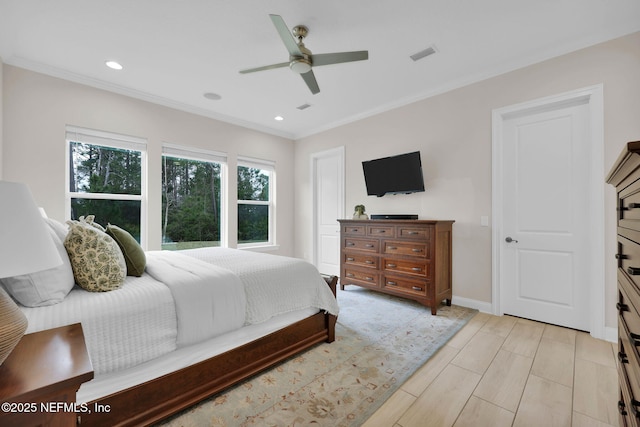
(134, 256)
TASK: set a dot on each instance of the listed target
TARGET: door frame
(593, 96)
(338, 152)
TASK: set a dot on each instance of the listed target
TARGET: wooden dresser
(407, 258)
(625, 176)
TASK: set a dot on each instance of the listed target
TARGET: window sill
(260, 248)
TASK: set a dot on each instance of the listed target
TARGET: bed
(192, 324)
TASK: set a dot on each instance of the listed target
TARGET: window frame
(201, 155)
(109, 140)
(270, 167)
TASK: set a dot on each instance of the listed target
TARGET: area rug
(380, 341)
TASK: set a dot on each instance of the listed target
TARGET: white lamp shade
(25, 243)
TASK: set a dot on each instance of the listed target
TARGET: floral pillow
(97, 262)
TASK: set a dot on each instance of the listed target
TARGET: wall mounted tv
(401, 174)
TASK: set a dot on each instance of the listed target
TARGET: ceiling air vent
(303, 107)
(423, 53)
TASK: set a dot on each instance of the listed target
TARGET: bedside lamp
(25, 247)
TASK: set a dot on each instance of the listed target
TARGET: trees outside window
(191, 203)
(255, 203)
(106, 179)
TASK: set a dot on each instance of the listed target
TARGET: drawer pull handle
(350, 244)
(368, 262)
(392, 248)
(621, 407)
(634, 271)
(370, 279)
(416, 288)
(392, 283)
(622, 256)
(381, 231)
(350, 259)
(634, 407)
(354, 230)
(622, 357)
(635, 339)
(350, 275)
(412, 233)
(368, 245)
(416, 250)
(633, 206)
(622, 307)
(391, 265)
(416, 269)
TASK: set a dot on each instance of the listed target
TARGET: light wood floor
(506, 371)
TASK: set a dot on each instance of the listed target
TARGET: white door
(545, 257)
(328, 186)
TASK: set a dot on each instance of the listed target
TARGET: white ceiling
(174, 51)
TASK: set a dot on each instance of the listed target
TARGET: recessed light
(212, 96)
(113, 65)
(279, 118)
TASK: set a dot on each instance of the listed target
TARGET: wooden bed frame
(169, 394)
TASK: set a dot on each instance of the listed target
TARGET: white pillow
(45, 287)
(59, 228)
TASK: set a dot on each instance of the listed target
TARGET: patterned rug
(380, 341)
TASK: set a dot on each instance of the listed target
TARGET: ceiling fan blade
(338, 57)
(285, 35)
(310, 79)
(266, 67)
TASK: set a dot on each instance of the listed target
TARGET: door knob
(509, 240)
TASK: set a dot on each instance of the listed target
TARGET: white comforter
(273, 284)
(209, 299)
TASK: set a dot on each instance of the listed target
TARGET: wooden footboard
(154, 400)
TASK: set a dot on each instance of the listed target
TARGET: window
(107, 178)
(256, 181)
(192, 211)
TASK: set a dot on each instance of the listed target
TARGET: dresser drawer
(414, 268)
(399, 284)
(369, 245)
(628, 379)
(629, 207)
(414, 232)
(381, 231)
(623, 417)
(354, 230)
(360, 260)
(406, 248)
(629, 260)
(360, 278)
(628, 314)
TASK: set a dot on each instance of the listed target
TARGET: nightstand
(39, 379)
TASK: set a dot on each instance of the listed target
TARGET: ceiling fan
(301, 60)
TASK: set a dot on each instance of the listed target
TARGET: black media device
(394, 216)
(401, 174)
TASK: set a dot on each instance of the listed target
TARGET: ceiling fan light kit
(301, 60)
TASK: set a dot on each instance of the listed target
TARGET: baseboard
(482, 306)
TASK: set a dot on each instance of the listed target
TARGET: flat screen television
(401, 174)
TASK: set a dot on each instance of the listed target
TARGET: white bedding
(209, 299)
(146, 319)
(273, 284)
(122, 328)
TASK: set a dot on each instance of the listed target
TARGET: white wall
(1, 115)
(453, 133)
(38, 107)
